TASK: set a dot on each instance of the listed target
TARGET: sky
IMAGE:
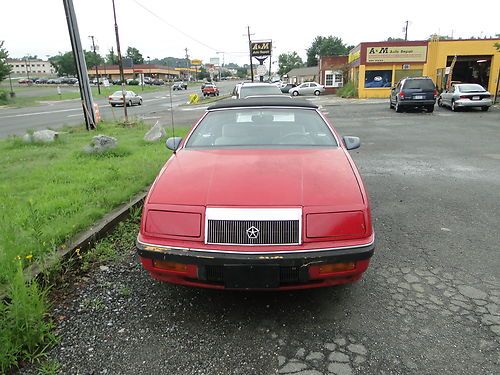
(160, 28)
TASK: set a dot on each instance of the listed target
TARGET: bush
(348, 91)
(134, 82)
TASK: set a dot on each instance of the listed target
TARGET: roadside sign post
(261, 51)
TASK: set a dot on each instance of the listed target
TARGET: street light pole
(120, 63)
(96, 69)
(12, 93)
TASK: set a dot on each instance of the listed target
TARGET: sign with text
(196, 62)
(259, 49)
(396, 54)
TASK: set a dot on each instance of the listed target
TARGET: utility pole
(250, 49)
(81, 67)
(406, 30)
(187, 63)
(96, 69)
(120, 63)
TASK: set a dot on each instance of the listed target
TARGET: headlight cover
(336, 225)
(173, 223)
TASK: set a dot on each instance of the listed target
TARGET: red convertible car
(261, 194)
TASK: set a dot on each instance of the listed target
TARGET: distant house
(300, 75)
(331, 73)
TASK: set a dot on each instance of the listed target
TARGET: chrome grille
(270, 232)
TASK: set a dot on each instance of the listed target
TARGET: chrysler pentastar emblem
(252, 232)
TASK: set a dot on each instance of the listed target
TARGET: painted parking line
(41, 113)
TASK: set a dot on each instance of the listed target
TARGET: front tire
(391, 106)
(440, 102)
(295, 93)
(453, 107)
(317, 92)
(140, 102)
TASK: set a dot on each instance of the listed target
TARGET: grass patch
(49, 193)
(348, 91)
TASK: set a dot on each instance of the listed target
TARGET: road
(428, 304)
(56, 114)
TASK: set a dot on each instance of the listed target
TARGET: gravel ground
(429, 303)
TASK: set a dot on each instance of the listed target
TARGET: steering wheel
(295, 138)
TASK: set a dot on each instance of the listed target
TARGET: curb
(85, 240)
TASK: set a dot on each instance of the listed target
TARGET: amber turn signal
(336, 267)
(170, 266)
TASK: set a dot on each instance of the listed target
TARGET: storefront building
(376, 66)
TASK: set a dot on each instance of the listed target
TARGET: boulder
(156, 133)
(101, 143)
(45, 136)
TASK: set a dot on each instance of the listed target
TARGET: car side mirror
(351, 143)
(173, 143)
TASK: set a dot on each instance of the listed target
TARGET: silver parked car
(461, 95)
(131, 98)
(307, 88)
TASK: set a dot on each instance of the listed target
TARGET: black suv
(413, 92)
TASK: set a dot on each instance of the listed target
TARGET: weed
(95, 304)
(124, 291)
(348, 91)
(50, 367)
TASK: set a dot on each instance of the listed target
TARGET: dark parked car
(413, 92)
(40, 81)
(285, 88)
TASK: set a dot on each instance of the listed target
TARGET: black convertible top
(263, 101)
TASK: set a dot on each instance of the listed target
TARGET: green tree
(242, 72)
(111, 57)
(4, 67)
(92, 59)
(289, 61)
(326, 46)
(135, 55)
(391, 39)
(64, 64)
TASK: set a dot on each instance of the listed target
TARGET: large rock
(156, 133)
(101, 143)
(45, 136)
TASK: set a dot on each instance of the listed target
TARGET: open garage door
(471, 69)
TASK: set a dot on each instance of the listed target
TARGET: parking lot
(428, 304)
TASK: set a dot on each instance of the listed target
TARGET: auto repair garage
(376, 66)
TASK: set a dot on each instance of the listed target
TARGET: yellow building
(376, 66)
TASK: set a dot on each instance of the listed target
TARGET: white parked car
(131, 98)
(307, 88)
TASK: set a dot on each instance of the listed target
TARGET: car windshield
(260, 90)
(262, 128)
(471, 88)
(423, 84)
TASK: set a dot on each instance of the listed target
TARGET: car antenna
(172, 116)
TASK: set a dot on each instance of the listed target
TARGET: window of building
(333, 79)
(399, 74)
(378, 78)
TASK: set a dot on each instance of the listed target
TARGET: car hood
(306, 177)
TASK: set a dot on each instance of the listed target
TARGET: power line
(174, 27)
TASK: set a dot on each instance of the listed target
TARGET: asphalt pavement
(428, 304)
(56, 114)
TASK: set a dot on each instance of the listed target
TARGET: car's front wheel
(391, 106)
(317, 92)
(140, 102)
(453, 107)
(440, 102)
(295, 93)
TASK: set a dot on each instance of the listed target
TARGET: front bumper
(240, 270)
